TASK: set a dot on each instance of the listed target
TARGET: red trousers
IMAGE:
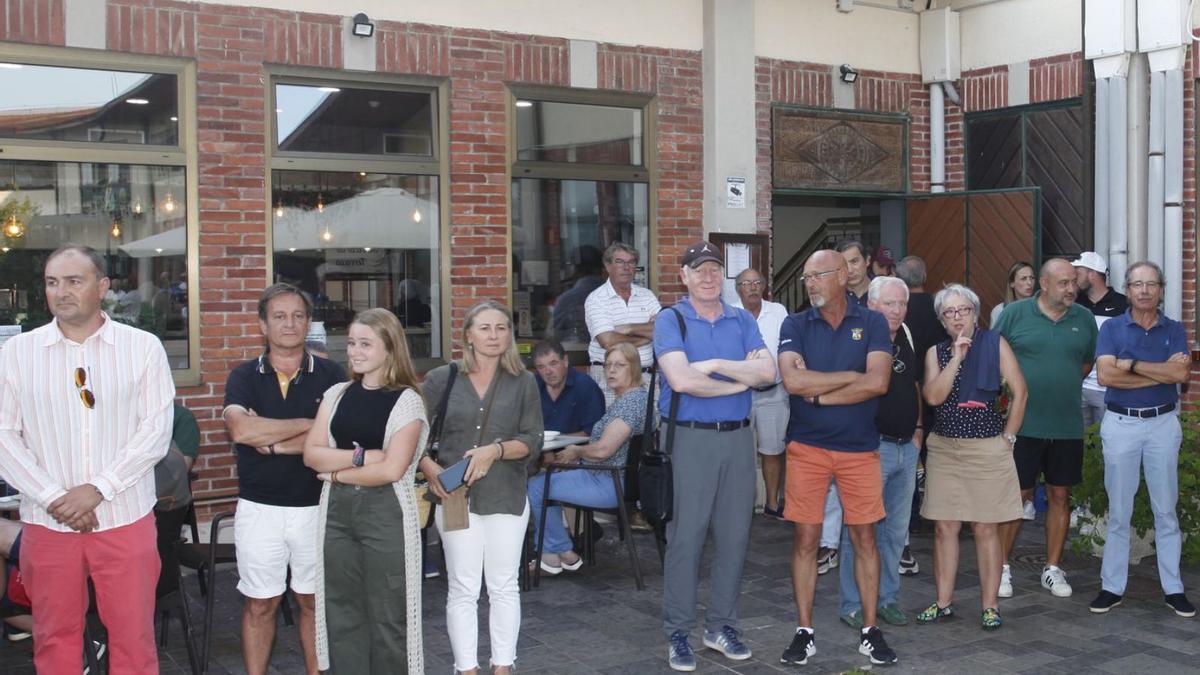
(123, 564)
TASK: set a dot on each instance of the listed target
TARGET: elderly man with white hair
(898, 420)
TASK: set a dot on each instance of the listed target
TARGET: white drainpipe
(937, 139)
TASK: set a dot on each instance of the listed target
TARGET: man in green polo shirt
(1055, 343)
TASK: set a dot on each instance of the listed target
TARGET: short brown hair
(274, 291)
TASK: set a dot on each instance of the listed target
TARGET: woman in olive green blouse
(500, 443)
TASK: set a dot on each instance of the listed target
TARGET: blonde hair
(633, 357)
(510, 360)
(398, 370)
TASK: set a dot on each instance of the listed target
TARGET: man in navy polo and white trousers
(1142, 357)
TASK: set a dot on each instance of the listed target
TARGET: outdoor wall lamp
(849, 74)
(363, 26)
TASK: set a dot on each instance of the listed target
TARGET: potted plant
(1091, 495)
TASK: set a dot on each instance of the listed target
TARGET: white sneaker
(1005, 582)
(1055, 580)
(1030, 511)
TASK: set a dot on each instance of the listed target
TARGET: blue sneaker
(679, 652)
(727, 643)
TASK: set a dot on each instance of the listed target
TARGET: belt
(715, 426)
(898, 440)
(769, 387)
(647, 369)
(1144, 413)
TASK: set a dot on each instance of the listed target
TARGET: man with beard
(1054, 340)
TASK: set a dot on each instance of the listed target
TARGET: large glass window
(362, 238)
(133, 214)
(578, 187)
(96, 153)
(90, 105)
(560, 231)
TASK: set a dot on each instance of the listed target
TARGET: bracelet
(500, 444)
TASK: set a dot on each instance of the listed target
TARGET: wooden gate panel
(936, 229)
(1002, 229)
(1055, 164)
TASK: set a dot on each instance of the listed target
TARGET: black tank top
(362, 416)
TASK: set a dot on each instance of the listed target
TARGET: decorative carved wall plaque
(819, 150)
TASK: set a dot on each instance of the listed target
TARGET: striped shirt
(605, 310)
(51, 442)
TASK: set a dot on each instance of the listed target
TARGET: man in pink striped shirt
(85, 414)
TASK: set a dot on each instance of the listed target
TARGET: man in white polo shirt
(770, 411)
(619, 311)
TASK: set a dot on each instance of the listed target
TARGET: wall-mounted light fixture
(363, 26)
(849, 74)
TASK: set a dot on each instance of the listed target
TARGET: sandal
(571, 566)
(934, 613)
(991, 619)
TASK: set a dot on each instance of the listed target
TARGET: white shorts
(770, 414)
(268, 540)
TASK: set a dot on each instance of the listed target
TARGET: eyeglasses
(955, 312)
(898, 366)
(814, 276)
(750, 284)
(622, 262)
(615, 365)
(1139, 285)
(85, 394)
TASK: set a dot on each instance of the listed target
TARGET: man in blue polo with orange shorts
(836, 360)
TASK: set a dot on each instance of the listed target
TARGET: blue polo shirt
(732, 336)
(1123, 338)
(578, 408)
(845, 428)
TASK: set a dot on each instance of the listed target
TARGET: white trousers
(489, 549)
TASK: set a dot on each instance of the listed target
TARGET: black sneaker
(803, 646)
(1179, 603)
(874, 646)
(1104, 602)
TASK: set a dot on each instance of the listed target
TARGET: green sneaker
(853, 619)
(991, 619)
(934, 613)
(893, 615)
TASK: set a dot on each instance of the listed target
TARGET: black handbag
(656, 484)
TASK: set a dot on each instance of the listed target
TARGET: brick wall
(232, 46)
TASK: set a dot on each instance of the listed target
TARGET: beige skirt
(971, 479)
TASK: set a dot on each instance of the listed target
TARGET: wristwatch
(1011, 438)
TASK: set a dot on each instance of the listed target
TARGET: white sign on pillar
(735, 192)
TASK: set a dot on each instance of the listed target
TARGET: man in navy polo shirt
(571, 401)
(713, 367)
(1141, 357)
(270, 403)
(836, 360)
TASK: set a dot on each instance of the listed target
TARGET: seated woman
(608, 446)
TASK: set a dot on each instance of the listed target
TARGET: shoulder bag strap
(674, 394)
(435, 434)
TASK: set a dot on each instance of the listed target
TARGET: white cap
(1092, 261)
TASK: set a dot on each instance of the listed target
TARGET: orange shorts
(859, 483)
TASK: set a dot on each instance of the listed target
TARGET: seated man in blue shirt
(572, 403)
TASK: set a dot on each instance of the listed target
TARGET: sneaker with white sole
(728, 642)
(1006, 590)
(679, 652)
(908, 564)
(827, 559)
(1030, 512)
(1055, 581)
(873, 645)
(803, 646)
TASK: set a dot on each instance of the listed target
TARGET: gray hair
(1162, 283)
(911, 269)
(878, 283)
(959, 290)
(620, 246)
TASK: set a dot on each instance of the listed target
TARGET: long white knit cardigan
(408, 407)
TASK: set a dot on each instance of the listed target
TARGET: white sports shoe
(1005, 582)
(1055, 580)
(1030, 512)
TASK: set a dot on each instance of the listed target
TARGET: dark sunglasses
(85, 394)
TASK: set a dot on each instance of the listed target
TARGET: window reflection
(560, 230)
(548, 131)
(360, 240)
(133, 214)
(82, 104)
(346, 120)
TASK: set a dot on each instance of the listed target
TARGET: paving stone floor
(594, 621)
